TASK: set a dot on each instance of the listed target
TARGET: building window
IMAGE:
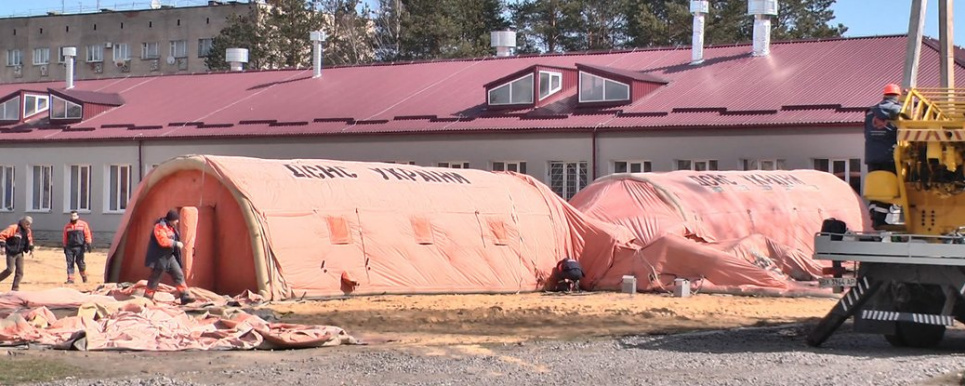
(7, 179)
(454, 165)
(60, 55)
(10, 110)
(34, 104)
(762, 164)
(78, 188)
(697, 165)
(204, 47)
(65, 109)
(596, 89)
(632, 167)
(119, 188)
(179, 48)
(567, 178)
(122, 51)
(518, 91)
(510, 166)
(849, 170)
(149, 50)
(41, 56)
(14, 58)
(95, 53)
(399, 162)
(41, 188)
(549, 83)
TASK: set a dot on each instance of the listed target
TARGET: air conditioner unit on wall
(43, 70)
(170, 60)
(108, 45)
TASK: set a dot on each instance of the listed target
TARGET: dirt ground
(443, 321)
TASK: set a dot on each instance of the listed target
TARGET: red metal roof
(803, 83)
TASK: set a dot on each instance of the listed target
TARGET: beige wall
(130, 27)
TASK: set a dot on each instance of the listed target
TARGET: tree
(546, 25)
(241, 31)
(434, 29)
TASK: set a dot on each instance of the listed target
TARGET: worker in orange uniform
(16, 240)
(164, 255)
(77, 240)
(880, 139)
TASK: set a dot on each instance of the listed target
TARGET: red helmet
(892, 89)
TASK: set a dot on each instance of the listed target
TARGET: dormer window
(549, 83)
(65, 109)
(10, 110)
(519, 91)
(597, 89)
(34, 104)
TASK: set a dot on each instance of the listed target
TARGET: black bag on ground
(835, 227)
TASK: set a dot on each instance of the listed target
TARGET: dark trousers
(165, 264)
(13, 262)
(75, 255)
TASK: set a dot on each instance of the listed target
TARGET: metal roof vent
(236, 57)
(69, 54)
(317, 38)
(762, 11)
(699, 8)
(504, 42)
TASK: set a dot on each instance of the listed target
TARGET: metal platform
(879, 248)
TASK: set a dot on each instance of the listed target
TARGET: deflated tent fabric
(739, 232)
(289, 228)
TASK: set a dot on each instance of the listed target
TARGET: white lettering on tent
(401, 174)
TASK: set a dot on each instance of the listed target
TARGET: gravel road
(753, 356)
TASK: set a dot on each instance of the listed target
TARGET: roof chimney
(317, 38)
(762, 11)
(69, 54)
(699, 8)
(236, 57)
(504, 42)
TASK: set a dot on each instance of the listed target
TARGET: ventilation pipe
(699, 8)
(69, 54)
(317, 38)
(762, 10)
(504, 42)
(236, 57)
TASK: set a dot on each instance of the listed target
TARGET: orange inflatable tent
(728, 231)
(287, 228)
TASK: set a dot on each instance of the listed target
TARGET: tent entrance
(199, 231)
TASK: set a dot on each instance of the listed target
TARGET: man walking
(16, 240)
(164, 255)
(77, 240)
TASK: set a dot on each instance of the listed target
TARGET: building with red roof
(564, 118)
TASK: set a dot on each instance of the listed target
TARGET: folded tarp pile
(113, 319)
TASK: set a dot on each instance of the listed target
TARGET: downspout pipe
(593, 154)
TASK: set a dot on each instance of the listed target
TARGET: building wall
(130, 27)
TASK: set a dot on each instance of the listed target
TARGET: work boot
(70, 279)
(83, 277)
(186, 299)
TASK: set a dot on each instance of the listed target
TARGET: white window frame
(72, 192)
(748, 164)
(489, 94)
(8, 203)
(179, 48)
(41, 56)
(551, 89)
(38, 108)
(95, 53)
(69, 104)
(149, 48)
(562, 187)
(852, 168)
(34, 207)
(710, 164)
(122, 198)
(204, 47)
(16, 101)
(520, 166)
(122, 51)
(60, 55)
(646, 166)
(14, 58)
(605, 80)
(453, 164)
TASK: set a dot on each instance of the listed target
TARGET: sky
(862, 17)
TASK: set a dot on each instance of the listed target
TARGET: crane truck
(908, 283)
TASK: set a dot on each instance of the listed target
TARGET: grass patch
(26, 370)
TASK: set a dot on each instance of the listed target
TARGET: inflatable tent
(316, 228)
(732, 231)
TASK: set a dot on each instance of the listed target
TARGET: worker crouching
(164, 255)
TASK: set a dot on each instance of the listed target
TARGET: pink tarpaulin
(728, 231)
(122, 322)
